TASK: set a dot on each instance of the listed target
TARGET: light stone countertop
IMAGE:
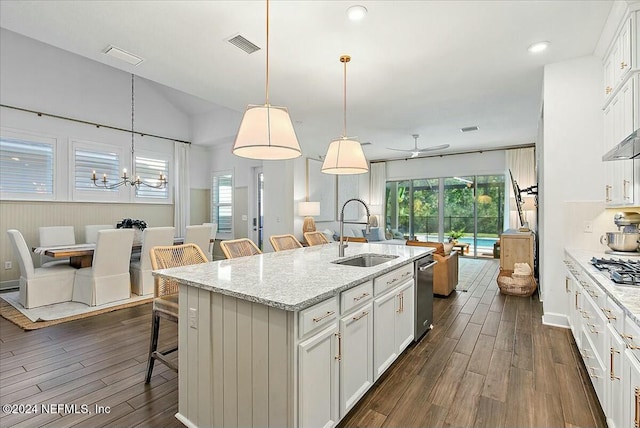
(627, 297)
(293, 279)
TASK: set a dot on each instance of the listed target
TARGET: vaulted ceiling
(418, 67)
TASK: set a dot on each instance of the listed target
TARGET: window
(26, 167)
(222, 201)
(104, 163)
(149, 170)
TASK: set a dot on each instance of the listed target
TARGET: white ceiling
(418, 67)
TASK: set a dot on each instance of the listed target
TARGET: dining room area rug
(48, 315)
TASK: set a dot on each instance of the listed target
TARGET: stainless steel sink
(365, 260)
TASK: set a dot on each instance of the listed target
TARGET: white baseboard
(555, 320)
(9, 285)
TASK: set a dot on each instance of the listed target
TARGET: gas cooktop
(626, 272)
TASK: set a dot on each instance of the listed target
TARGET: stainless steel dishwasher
(424, 295)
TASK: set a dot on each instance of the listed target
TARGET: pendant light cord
(132, 127)
(267, 82)
(345, 59)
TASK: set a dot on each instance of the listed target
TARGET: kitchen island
(290, 339)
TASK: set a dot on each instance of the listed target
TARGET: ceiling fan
(415, 152)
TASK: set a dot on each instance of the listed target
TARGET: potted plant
(137, 225)
(455, 234)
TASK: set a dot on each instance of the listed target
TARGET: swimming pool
(482, 242)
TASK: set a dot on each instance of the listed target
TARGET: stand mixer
(624, 241)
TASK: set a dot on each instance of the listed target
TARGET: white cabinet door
(356, 364)
(615, 400)
(631, 391)
(318, 379)
(384, 345)
(405, 319)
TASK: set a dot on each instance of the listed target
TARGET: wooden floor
(488, 362)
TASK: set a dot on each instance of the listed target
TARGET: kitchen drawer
(592, 289)
(594, 324)
(356, 296)
(392, 279)
(614, 314)
(631, 337)
(595, 368)
(317, 316)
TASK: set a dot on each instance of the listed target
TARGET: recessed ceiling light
(356, 13)
(538, 47)
(469, 129)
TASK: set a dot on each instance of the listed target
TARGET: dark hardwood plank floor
(488, 362)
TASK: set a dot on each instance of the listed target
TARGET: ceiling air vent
(469, 129)
(244, 44)
(123, 55)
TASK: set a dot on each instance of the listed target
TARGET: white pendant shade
(308, 209)
(345, 156)
(266, 132)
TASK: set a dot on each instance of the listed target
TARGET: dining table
(81, 255)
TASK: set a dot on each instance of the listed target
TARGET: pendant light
(345, 155)
(266, 131)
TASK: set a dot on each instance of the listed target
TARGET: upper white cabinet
(622, 112)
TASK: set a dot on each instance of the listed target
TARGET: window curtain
(522, 163)
(181, 197)
(377, 186)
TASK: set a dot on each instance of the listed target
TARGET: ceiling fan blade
(429, 149)
(400, 150)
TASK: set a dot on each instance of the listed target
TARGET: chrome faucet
(342, 245)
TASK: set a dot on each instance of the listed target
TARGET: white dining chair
(44, 285)
(51, 236)
(91, 232)
(201, 236)
(212, 238)
(141, 277)
(107, 280)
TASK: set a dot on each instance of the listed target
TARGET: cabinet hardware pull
(585, 315)
(566, 284)
(607, 313)
(608, 89)
(576, 293)
(625, 184)
(637, 412)
(405, 274)
(628, 339)
(585, 354)
(592, 329)
(592, 374)
(363, 314)
(392, 281)
(611, 371)
(623, 65)
(360, 297)
(328, 314)
(607, 188)
(339, 356)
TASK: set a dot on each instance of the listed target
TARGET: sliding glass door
(469, 209)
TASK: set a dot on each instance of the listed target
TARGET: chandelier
(125, 179)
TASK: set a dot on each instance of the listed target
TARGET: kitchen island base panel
(235, 362)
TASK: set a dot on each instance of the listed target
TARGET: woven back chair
(315, 238)
(356, 239)
(234, 248)
(165, 295)
(284, 242)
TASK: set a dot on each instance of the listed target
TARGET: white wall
(573, 169)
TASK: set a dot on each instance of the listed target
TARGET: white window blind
(149, 169)
(222, 202)
(102, 162)
(26, 167)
